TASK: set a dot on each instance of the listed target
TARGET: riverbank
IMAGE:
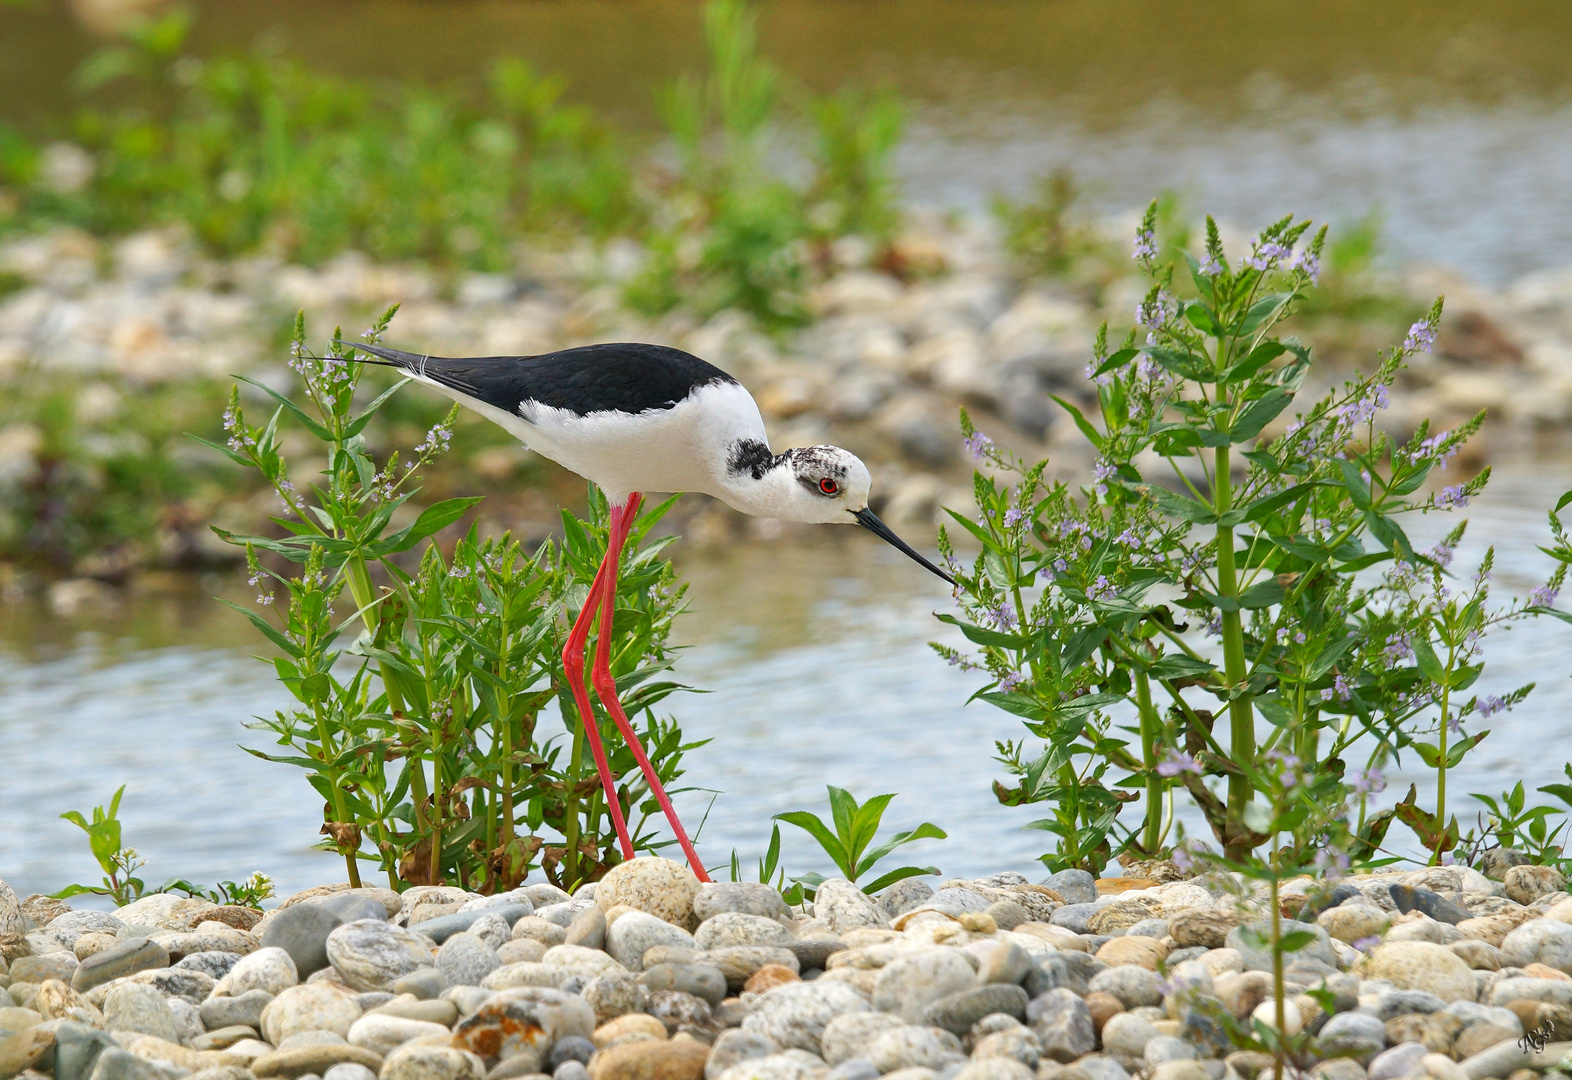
(111, 351)
(1442, 972)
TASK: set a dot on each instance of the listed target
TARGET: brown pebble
(681, 1058)
(241, 918)
(1537, 970)
(1104, 1007)
(1122, 884)
(770, 976)
(978, 922)
(1523, 1074)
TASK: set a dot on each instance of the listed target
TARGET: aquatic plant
(1217, 550)
(421, 734)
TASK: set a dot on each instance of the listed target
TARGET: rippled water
(1451, 119)
(814, 650)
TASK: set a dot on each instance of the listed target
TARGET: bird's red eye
(828, 486)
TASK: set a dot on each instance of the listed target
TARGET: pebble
(246, 1009)
(1397, 1062)
(1527, 883)
(588, 929)
(383, 1034)
(117, 1064)
(1353, 1034)
(1063, 1025)
(634, 933)
(738, 897)
(911, 1046)
(445, 926)
(516, 1020)
(116, 962)
(1541, 941)
(77, 1047)
(660, 887)
(1255, 959)
(313, 1059)
(848, 1035)
(794, 1015)
(311, 1007)
(737, 963)
(370, 955)
(302, 931)
(133, 1007)
(349, 1070)
(674, 1059)
(464, 960)
(1006, 962)
(739, 928)
(1408, 898)
(958, 1012)
(421, 1060)
(1418, 965)
(905, 986)
(905, 895)
(843, 907)
(270, 969)
(1017, 1043)
(734, 1047)
(1133, 985)
(637, 1025)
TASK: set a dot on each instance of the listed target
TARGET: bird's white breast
(683, 448)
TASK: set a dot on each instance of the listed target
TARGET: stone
(422, 1060)
(740, 897)
(54, 1000)
(904, 986)
(221, 1038)
(1122, 914)
(1017, 1043)
(995, 1068)
(767, 978)
(347, 1070)
(1199, 927)
(188, 1022)
(1499, 1060)
(370, 955)
(1005, 963)
(564, 914)
(1397, 1062)
(1074, 917)
(570, 1048)
(444, 1012)
(1353, 922)
(1431, 903)
(612, 995)
(313, 1060)
(660, 887)
(1063, 1025)
(738, 962)
(794, 1015)
(465, 960)
(674, 1059)
(849, 1035)
(1076, 886)
(1478, 955)
(1143, 951)
(302, 932)
(910, 1046)
(1104, 1007)
(634, 933)
(512, 976)
(1260, 959)
(626, 1028)
(1552, 991)
(843, 907)
(1134, 986)
(588, 929)
(959, 1011)
(534, 928)
(424, 983)
(382, 1034)
(737, 928)
(589, 962)
(1528, 883)
(246, 1009)
(521, 951)
(734, 1047)
(131, 1007)
(1353, 1034)
(208, 937)
(117, 1064)
(215, 965)
(1418, 965)
(1540, 941)
(527, 1018)
(678, 1011)
(443, 927)
(270, 969)
(126, 958)
(310, 1007)
(1403, 1002)
(1164, 1048)
(903, 896)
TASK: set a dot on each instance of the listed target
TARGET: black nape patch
(814, 462)
(622, 377)
(752, 457)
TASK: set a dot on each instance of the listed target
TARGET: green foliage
(855, 190)
(769, 869)
(1207, 515)
(120, 865)
(855, 826)
(1046, 234)
(420, 735)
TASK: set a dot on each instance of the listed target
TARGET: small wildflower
(1145, 245)
(1013, 517)
(1454, 496)
(977, 445)
(1397, 649)
(1010, 680)
(1421, 336)
(1366, 944)
(1176, 762)
(1182, 859)
(1267, 256)
(1308, 262)
(1490, 705)
(1333, 864)
(1340, 689)
(1363, 409)
(1369, 781)
(1211, 266)
(1544, 596)
(1003, 617)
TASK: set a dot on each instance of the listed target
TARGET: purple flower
(1003, 617)
(1369, 781)
(1544, 596)
(1182, 859)
(1176, 762)
(1365, 944)
(1155, 312)
(1013, 517)
(1398, 648)
(1364, 408)
(1431, 448)
(1268, 255)
(1421, 336)
(1145, 245)
(1333, 864)
(1128, 538)
(1010, 680)
(1490, 705)
(1454, 496)
(977, 445)
(1211, 266)
(1340, 689)
(1310, 263)
(1441, 554)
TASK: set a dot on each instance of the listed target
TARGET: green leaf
(1390, 534)
(1020, 705)
(1261, 311)
(433, 519)
(1429, 663)
(1295, 940)
(1566, 497)
(1260, 413)
(1354, 482)
(1202, 318)
(1116, 360)
(1258, 358)
(1182, 506)
(1429, 754)
(1262, 507)
(884, 881)
(1080, 421)
(1455, 752)
(296, 411)
(983, 636)
(1180, 666)
(1329, 656)
(1261, 595)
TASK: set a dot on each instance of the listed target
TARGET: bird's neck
(756, 481)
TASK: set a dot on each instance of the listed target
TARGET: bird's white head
(821, 485)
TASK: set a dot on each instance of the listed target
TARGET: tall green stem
(1150, 730)
(340, 809)
(1446, 720)
(1278, 989)
(1241, 716)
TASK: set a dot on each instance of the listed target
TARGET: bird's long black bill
(870, 521)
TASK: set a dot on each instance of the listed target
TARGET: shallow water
(815, 653)
(1452, 119)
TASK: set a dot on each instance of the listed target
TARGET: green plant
(1207, 516)
(855, 826)
(769, 869)
(119, 863)
(1524, 828)
(248, 893)
(420, 735)
(855, 189)
(1046, 234)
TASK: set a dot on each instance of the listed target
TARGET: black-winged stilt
(634, 418)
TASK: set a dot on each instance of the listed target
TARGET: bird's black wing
(620, 377)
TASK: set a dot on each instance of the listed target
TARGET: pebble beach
(1444, 972)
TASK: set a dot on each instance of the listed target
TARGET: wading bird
(634, 418)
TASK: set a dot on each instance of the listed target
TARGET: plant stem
(1277, 964)
(570, 805)
(1446, 719)
(340, 811)
(1150, 729)
(1241, 716)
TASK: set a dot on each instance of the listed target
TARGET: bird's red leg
(573, 665)
(622, 519)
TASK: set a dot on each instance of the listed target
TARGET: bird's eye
(828, 486)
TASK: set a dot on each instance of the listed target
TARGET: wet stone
(1407, 898)
(118, 961)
